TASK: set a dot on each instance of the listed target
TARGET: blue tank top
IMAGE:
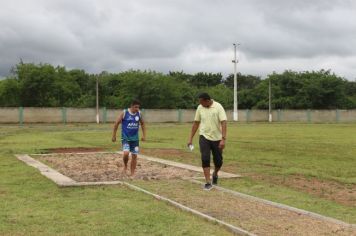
(130, 126)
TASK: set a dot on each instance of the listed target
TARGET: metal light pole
(236, 114)
(269, 101)
(97, 100)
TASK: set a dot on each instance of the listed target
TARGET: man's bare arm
(223, 131)
(194, 130)
(143, 127)
(116, 126)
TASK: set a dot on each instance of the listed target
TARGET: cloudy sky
(188, 35)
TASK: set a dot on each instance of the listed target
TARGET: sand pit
(96, 167)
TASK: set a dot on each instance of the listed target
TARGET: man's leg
(133, 163)
(205, 157)
(217, 158)
(126, 160)
(126, 151)
(134, 148)
(206, 171)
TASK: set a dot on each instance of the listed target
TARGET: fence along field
(88, 115)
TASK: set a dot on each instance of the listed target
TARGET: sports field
(309, 166)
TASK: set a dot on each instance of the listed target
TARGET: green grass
(325, 151)
(32, 204)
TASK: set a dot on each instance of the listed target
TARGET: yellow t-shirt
(210, 120)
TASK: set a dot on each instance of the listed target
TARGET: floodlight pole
(97, 100)
(236, 114)
(269, 100)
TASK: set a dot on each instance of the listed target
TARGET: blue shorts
(130, 146)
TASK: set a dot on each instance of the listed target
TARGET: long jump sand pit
(98, 167)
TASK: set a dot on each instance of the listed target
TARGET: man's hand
(190, 142)
(192, 133)
(222, 144)
(113, 139)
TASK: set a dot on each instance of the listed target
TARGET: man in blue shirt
(131, 119)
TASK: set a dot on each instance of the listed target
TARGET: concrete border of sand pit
(47, 171)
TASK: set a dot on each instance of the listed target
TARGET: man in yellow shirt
(211, 117)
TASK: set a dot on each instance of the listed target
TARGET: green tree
(10, 93)
(200, 79)
(155, 90)
(46, 85)
(314, 90)
(243, 81)
(222, 94)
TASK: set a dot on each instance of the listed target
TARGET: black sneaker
(215, 179)
(208, 186)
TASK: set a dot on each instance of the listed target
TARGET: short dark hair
(204, 96)
(135, 102)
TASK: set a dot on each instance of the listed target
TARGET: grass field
(309, 166)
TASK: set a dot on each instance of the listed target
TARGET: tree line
(44, 85)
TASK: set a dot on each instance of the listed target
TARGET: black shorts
(207, 147)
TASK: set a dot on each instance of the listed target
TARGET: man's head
(204, 100)
(135, 106)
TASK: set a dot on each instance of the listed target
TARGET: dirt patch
(256, 217)
(326, 189)
(94, 167)
(74, 150)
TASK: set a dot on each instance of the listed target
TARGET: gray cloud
(184, 35)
